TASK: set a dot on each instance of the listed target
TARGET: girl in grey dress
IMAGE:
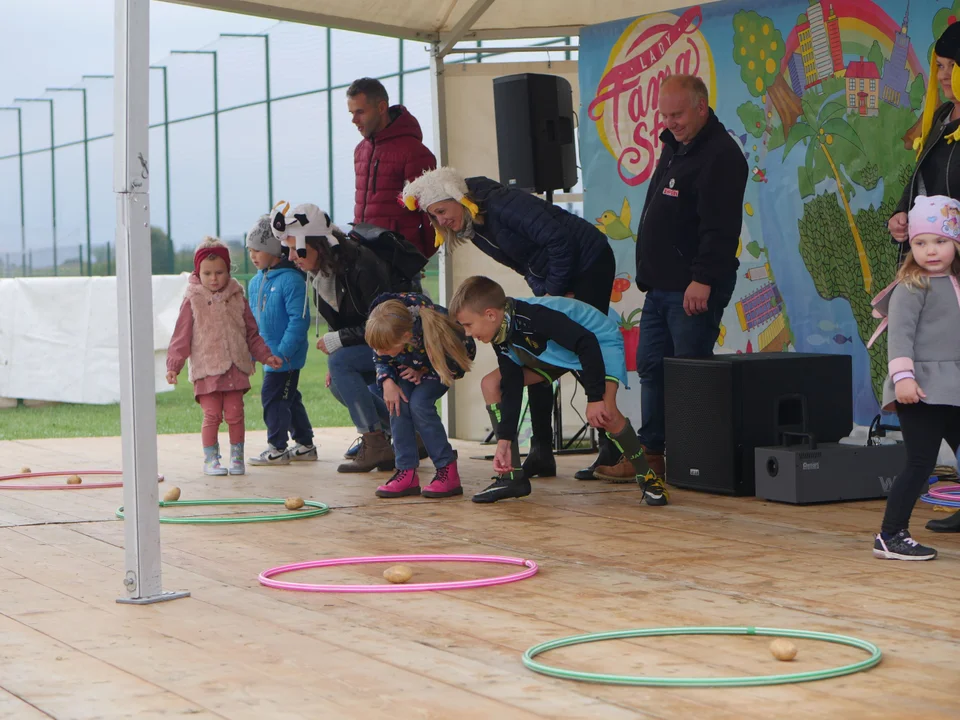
(923, 385)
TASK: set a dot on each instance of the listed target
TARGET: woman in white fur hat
(557, 253)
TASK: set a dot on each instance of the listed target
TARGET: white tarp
(58, 337)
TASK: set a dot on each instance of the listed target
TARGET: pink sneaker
(402, 484)
(446, 483)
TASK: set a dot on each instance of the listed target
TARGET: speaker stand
(559, 448)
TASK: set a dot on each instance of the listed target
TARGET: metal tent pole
(138, 411)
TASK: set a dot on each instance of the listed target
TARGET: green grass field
(177, 411)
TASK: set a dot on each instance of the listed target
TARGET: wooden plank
(58, 680)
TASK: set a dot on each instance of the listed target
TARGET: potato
(398, 574)
(293, 503)
(783, 649)
(74, 480)
(172, 495)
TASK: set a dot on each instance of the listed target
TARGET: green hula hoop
(316, 508)
(745, 681)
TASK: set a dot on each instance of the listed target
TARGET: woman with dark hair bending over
(346, 278)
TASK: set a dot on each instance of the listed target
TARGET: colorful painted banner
(824, 98)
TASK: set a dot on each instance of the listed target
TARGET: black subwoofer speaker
(718, 410)
(534, 116)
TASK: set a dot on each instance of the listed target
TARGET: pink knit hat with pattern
(935, 215)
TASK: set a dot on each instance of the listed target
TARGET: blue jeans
(420, 415)
(667, 331)
(353, 382)
(283, 410)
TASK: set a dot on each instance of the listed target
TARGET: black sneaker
(654, 491)
(503, 487)
(901, 547)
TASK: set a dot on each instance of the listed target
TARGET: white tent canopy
(441, 20)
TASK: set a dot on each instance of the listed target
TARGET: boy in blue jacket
(277, 295)
(537, 340)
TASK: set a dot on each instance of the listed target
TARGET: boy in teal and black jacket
(277, 296)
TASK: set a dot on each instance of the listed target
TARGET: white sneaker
(271, 456)
(302, 453)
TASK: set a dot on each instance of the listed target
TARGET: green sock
(494, 411)
(630, 446)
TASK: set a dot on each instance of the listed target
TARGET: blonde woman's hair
(442, 336)
(916, 278)
(450, 238)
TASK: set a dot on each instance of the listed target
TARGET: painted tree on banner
(758, 49)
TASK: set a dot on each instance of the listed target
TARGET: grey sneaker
(302, 453)
(271, 456)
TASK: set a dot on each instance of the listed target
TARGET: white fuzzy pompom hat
(434, 186)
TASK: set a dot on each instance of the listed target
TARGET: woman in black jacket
(556, 252)
(938, 164)
(345, 278)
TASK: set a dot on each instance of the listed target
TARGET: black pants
(283, 410)
(923, 427)
(594, 287)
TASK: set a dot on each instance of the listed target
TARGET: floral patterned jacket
(414, 354)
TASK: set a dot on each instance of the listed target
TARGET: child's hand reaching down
(171, 377)
(501, 459)
(274, 362)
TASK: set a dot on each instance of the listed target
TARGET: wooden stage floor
(235, 649)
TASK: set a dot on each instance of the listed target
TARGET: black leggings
(594, 287)
(923, 427)
(595, 284)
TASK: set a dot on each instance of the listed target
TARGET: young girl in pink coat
(217, 331)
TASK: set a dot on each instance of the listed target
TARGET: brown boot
(375, 452)
(618, 474)
(624, 472)
(657, 462)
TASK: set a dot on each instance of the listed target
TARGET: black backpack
(401, 256)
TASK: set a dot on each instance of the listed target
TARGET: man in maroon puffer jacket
(391, 152)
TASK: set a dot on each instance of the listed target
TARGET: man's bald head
(684, 106)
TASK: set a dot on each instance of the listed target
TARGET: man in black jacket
(686, 249)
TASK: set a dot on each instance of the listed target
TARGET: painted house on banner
(863, 87)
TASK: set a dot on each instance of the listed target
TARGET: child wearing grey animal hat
(277, 297)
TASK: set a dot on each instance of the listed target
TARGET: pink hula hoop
(88, 486)
(267, 575)
(949, 492)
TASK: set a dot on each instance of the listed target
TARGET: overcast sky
(45, 42)
(50, 43)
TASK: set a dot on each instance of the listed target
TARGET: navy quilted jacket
(542, 242)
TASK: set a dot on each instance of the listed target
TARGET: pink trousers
(217, 407)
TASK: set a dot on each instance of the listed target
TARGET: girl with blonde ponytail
(419, 352)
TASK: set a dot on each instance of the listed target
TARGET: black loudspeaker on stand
(719, 410)
(537, 153)
(535, 132)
